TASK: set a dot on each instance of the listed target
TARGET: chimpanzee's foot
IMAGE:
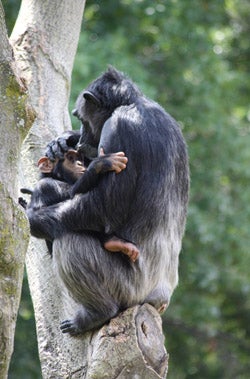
(159, 298)
(87, 319)
(71, 327)
(78, 325)
(115, 245)
(162, 308)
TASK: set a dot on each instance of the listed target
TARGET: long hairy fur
(146, 203)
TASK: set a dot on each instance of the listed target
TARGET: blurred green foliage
(193, 58)
(11, 8)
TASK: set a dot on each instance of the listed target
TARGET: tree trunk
(44, 40)
(15, 119)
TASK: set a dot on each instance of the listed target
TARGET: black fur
(57, 147)
(146, 203)
(60, 185)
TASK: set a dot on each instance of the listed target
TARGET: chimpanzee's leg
(115, 244)
(88, 319)
(86, 270)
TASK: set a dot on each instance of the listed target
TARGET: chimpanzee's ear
(45, 165)
(91, 97)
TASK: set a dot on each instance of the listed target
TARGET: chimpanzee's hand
(59, 146)
(111, 162)
(22, 202)
(100, 165)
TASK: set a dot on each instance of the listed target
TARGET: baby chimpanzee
(59, 178)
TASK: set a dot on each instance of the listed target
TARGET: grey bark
(44, 41)
(15, 119)
(131, 346)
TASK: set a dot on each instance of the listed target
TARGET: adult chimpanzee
(146, 203)
(59, 175)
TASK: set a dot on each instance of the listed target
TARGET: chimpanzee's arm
(87, 182)
(81, 213)
(47, 192)
(100, 165)
(107, 204)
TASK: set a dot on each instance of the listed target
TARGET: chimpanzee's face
(73, 164)
(70, 168)
(92, 111)
(82, 111)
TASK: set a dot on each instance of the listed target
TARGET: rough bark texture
(130, 346)
(44, 41)
(15, 119)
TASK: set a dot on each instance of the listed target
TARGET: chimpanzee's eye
(71, 158)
